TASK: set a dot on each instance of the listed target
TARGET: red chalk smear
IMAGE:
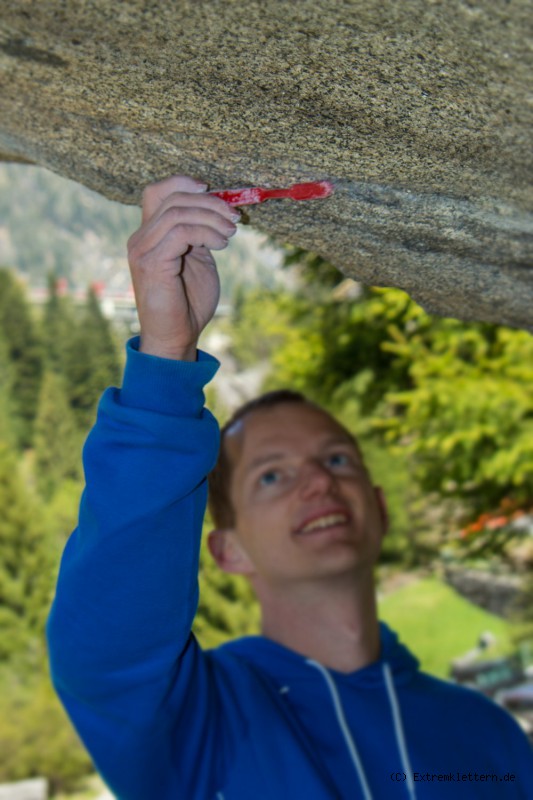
(314, 190)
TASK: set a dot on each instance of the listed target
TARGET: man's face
(304, 504)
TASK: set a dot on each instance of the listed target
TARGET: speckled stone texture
(420, 113)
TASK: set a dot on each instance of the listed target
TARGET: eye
(341, 459)
(264, 478)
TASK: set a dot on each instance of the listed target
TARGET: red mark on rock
(313, 190)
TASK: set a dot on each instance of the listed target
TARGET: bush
(36, 737)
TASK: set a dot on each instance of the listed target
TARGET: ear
(228, 552)
(382, 506)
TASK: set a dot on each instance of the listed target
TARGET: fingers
(175, 191)
(186, 219)
(179, 214)
(180, 239)
(182, 227)
(181, 224)
(199, 200)
(156, 193)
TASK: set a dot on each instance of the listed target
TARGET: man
(326, 703)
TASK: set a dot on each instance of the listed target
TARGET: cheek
(261, 504)
(263, 529)
(260, 520)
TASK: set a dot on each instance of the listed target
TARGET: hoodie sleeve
(122, 656)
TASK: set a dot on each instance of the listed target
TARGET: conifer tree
(58, 325)
(57, 440)
(7, 422)
(24, 352)
(106, 365)
(91, 362)
(26, 567)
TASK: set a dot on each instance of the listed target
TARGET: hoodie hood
(284, 664)
(396, 665)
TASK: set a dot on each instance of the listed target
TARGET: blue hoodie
(164, 719)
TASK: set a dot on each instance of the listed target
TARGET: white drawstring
(344, 728)
(398, 727)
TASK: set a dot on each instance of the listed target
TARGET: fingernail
(235, 216)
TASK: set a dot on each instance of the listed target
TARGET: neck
(338, 627)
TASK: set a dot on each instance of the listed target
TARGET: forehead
(280, 427)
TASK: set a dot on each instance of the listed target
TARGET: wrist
(163, 385)
(153, 348)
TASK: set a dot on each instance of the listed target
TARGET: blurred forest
(443, 411)
(50, 224)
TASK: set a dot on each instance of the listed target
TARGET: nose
(315, 477)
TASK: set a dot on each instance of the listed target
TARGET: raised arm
(122, 656)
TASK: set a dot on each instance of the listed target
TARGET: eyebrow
(275, 456)
(259, 462)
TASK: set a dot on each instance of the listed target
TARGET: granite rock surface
(419, 112)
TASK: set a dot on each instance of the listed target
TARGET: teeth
(324, 522)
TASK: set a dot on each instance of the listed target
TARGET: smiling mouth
(324, 525)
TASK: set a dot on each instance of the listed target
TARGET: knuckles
(212, 226)
(132, 248)
(174, 214)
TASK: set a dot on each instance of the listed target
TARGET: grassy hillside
(438, 625)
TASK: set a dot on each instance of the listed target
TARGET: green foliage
(405, 541)
(467, 421)
(36, 737)
(35, 409)
(60, 514)
(7, 428)
(91, 362)
(57, 327)
(24, 353)
(327, 349)
(227, 606)
(259, 309)
(523, 617)
(57, 441)
(26, 569)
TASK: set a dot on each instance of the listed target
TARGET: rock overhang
(419, 113)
